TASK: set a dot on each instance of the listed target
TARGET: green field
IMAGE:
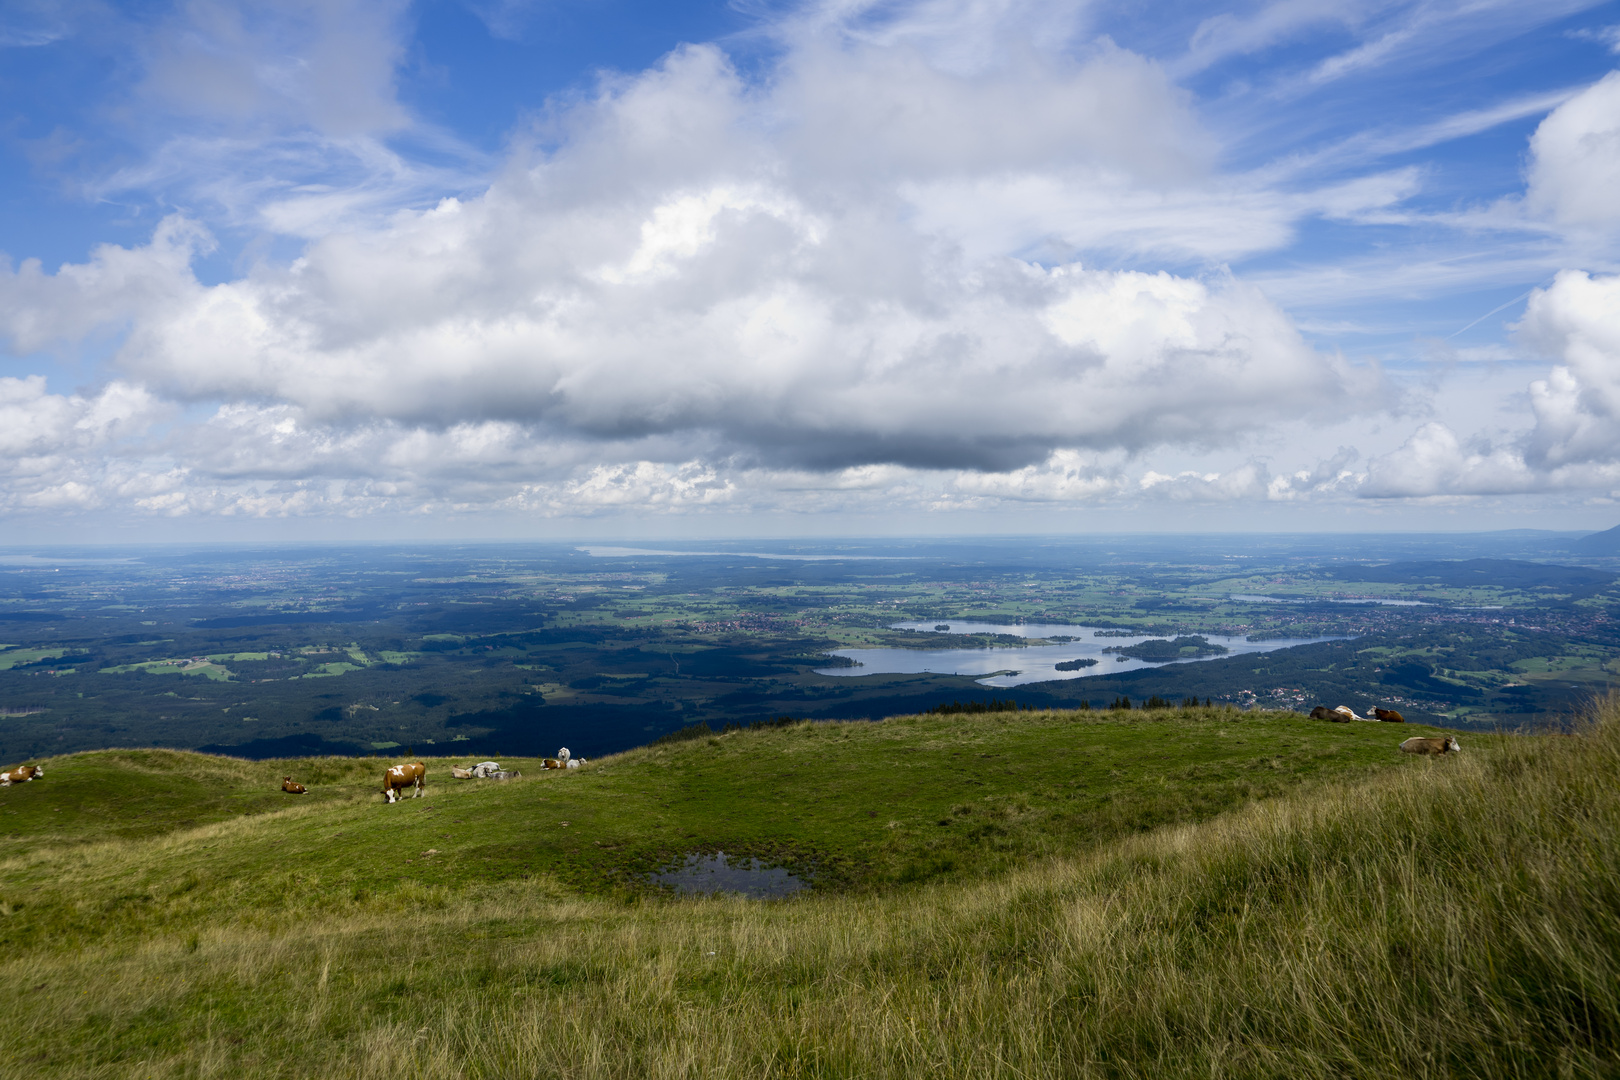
(1020, 894)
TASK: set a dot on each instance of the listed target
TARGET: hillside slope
(1381, 916)
(848, 805)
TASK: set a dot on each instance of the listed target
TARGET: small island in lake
(1181, 648)
(1076, 665)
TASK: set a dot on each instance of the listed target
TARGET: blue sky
(341, 268)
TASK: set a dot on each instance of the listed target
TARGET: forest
(519, 648)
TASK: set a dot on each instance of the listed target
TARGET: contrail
(1494, 310)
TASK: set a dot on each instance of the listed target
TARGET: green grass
(14, 656)
(206, 669)
(849, 805)
(1151, 895)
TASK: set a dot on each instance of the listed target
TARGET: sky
(375, 269)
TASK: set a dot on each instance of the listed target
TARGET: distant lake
(1034, 663)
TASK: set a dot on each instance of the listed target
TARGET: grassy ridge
(1452, 917)
(850, 805)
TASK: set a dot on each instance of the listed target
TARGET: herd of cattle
(1343, 714)
(413, 776)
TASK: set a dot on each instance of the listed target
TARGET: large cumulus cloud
(1574, 442)
(692, 269)
(1575, 160)
(896, 269)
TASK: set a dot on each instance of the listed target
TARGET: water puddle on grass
(705, 874)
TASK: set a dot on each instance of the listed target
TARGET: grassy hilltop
(1187, 892)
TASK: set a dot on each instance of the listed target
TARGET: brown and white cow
(21, 775)
(1440, 744)
(292, 788)
(400, 777)
(1388, 716)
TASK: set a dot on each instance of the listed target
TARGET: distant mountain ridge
(1602, 543)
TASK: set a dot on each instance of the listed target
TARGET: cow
(458, 773)
(400, 777)
(1441, 744)
(484, 769)
(1388, 716)
(21, 775)
(1340, 715)
(563, 755)
(292, 788)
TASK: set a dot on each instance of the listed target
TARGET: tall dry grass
(1456, 918)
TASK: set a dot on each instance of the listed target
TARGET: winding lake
(1031, 663)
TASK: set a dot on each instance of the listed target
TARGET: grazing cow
(1335, 716)
(291, 788)
(21, 775)
(1442, 744)
(400, 777)
(1388, 716)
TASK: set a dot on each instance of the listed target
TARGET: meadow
(1183, 892)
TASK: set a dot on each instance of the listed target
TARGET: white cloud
(35, 423)
(1607, 36)
(62, 451)
(116, 287)
(1577, 407)
(1575, 441)
(1575, 159)
(326, 64)
(1435, 462)
(675, 280)
(873, 278)
(1066, 476)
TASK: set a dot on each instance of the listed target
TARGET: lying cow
(1440, 744)
(1341, 715)
(458, 773)
(1388, 716)
(292, 788)
(21, 775)
(400, 777)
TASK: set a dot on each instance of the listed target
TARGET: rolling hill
(1025, 894)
